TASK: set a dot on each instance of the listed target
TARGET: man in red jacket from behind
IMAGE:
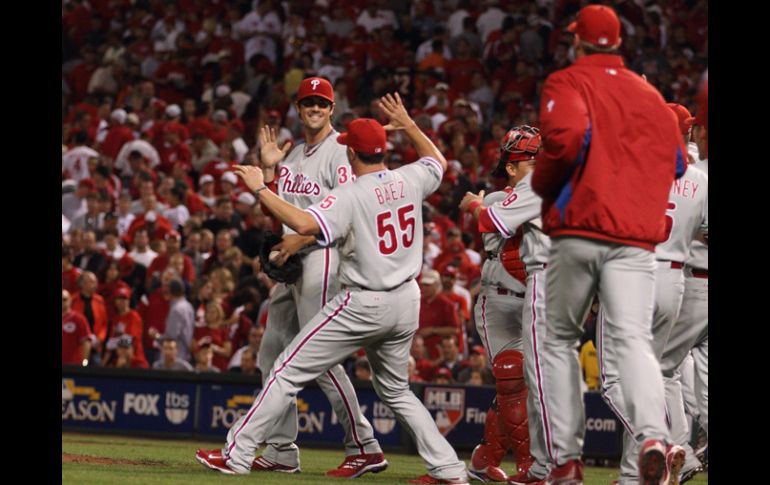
(610, 155)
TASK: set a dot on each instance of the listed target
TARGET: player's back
(686, 214)
(381, 215)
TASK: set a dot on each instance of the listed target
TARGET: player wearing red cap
(510, 323)
(611, 154)
(379, 218)
(307, 173)
(686, 218)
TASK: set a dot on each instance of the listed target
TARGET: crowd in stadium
(160, 99)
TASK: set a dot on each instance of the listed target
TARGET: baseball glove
(291, 269)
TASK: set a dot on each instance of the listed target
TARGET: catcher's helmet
(520, 143)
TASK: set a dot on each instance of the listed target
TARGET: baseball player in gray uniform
(377, 308)
(690, 332)
(686, 217)
(509, 221)
(306, 176)
(610, 155)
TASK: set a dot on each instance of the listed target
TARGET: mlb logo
(449, 404)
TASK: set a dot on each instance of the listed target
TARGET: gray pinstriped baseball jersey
(699, 252)
(305, 180)
(522, 207)
(384, 210)
(688, 207)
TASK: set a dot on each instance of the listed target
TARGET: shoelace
(354, 463)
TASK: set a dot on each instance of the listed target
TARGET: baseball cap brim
(572, 27)
(342, 139)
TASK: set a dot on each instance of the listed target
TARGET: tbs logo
(176, 405)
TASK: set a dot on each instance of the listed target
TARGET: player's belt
(671, 264)
(700, 273)
(492, 255)
(359, 287)
(505, 291)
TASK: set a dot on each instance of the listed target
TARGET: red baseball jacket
(611, 150)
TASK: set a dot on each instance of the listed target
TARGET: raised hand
(269, 151)
(252, 176)
(393, 107)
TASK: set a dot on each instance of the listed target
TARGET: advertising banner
(128, 404)
(221, 405)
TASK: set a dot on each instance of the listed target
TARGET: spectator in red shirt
(81, 74)
(448, 282)
(174, 150)
(75, 334)
(423, 365)
(126, 321)
(460, 69)
(215, 334)
(172, 78)
(111, 284)
(117, 135)
(438, 317)
(69, 273)
(153, 309)
(173, 246)
(91, 305)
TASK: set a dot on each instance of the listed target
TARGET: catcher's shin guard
(508, 369)
(494, 445)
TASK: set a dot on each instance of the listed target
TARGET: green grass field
(100, 459)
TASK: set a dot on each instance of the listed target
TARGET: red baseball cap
(683, 116)
(123, 292)
(315, 86)
(449, 271)
(365, 135)
(444, 372)
(477, 349)
(598, 25)
(173, 234)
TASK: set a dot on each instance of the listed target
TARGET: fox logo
(315, 83)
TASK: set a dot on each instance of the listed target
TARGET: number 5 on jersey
(387, 231)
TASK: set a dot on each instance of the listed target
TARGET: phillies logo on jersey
(298, 183)
(449, 404)
(315, 83)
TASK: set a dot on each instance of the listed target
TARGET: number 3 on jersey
(387, 232)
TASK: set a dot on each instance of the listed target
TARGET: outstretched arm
(400, 120)
(292, 216)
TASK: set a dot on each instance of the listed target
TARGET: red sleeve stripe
(324, 226)
(498, 223)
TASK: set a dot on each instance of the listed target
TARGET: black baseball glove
(291, 269)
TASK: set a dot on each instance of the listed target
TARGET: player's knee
(508, 369)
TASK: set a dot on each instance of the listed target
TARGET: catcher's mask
(520, 143)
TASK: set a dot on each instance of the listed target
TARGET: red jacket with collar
(611, 150)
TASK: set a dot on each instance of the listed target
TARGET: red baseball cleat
(262, 464)
(652, 463)
(356, 465)
(675, 457)
(570, 473)
(523, 478)
(214, 460)
(428, 480)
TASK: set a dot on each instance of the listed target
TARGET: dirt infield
(100, 460)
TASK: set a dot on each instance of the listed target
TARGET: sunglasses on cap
(315, 101)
